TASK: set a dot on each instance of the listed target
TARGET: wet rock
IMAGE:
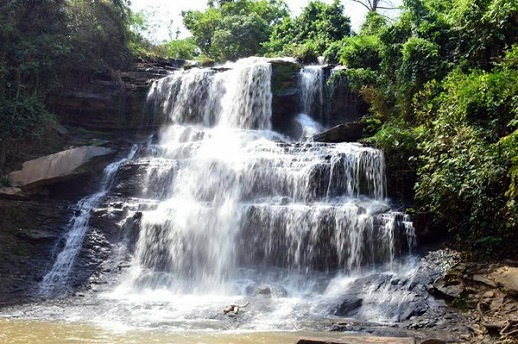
(507, 278)
(58, 167)
(37, 234)
(348, 132)
(285, 101)
(110, 103)
(266, 290)
(29, 231)
(348, 307)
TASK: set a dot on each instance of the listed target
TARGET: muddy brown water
(47, 332)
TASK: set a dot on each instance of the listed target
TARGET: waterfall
(311, 84)
(240, 96)
(55, 282)
(233, 196)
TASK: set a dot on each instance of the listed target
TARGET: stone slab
(56, 167)
(356, 340)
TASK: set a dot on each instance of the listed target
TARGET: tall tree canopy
(314, 30)
(228, 30)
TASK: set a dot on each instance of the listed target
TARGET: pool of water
(13, 331)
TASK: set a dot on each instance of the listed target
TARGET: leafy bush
(306, 53)
(361, 52)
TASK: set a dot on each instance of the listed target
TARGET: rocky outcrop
(347, 132)
(488, 293)
(507, 278)
(13, 193)
(58, 167)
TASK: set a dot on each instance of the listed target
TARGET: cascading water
(55, 282)
(311, 85)
(235, 211)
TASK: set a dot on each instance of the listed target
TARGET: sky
(160, 13)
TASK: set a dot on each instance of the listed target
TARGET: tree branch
(362, 3)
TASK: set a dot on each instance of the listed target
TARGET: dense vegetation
(441, 82)
(47, 44)
(442, 86)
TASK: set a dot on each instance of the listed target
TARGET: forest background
(441, 83)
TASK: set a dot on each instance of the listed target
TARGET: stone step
(356, 339)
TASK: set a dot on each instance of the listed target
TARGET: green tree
(180, 49)
(234, 29)
(317, 27)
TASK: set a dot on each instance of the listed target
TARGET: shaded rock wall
(29, 233)
(114, 103)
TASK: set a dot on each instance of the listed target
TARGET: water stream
(55, 283)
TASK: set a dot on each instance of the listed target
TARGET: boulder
(266, 290)
(57, 167)
(507, 278)
(347, 132)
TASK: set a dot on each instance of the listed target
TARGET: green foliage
(306, 53)
(5, 182)
(239, 36)
(363, 51)
(318, 26)
(234, 29)
(469, 155)
(483, 29)
(180, 49)
(98, 37)
(442, 85)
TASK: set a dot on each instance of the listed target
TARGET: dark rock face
(285, 101)
(29, 231)
(114, 104)
(348, 307)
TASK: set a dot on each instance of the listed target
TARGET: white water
(309, 126)
(206, 97)
(55, 282)
(311, 86)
